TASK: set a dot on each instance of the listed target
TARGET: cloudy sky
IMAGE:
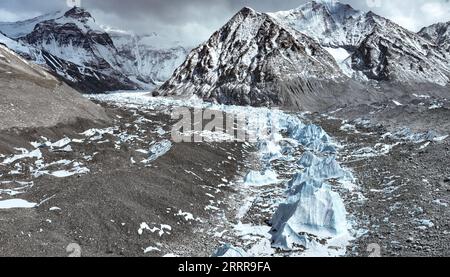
(193, 21)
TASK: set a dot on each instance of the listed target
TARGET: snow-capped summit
(326, 21)
(89, 56)
(74, 37)
(311, 56)
(79, 14)
(81, 48)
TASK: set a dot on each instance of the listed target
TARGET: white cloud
(8, 16)
(194, 21)
(438, 11)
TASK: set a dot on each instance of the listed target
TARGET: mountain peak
(247, 11)
(320, 11)
(332, 6)
(78, 13)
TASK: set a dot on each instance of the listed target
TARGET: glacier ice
(312, 216)
(229, 251)
(158, 150)
(37, 154)
(287, 239)
(408, 135)
(311, 136)
(256, 178)
(322, 168)
(314, 138)
(312, 209)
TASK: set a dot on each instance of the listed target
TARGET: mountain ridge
(351, 29)
(382, 59)
(86, 55)
(438, 33)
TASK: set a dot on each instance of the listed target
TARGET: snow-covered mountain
(439, 34)
(284, 58)
(150, 58)
(77, 49)
(377, 47)
(87, 56)
(331, 23)
(253, 60)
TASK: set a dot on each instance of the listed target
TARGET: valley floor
(126, 190)
(405, 183)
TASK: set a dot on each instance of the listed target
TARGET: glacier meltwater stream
(297, 167)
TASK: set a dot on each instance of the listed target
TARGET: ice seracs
(255, 178)
(312, 210)
(229, 251)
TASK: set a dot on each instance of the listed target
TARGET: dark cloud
(192, 21)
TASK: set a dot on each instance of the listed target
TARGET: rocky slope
(32, 97)
(253, 60)
(439, 34)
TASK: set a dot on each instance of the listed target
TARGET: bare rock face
(384, 55)
(439, 34)
(31, 97)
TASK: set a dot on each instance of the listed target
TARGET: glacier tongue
(309, 215)
(312, 211)
(265, 178)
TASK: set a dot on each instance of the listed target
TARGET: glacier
(229, 251)
(310, 214)
(255, 178)
(312, 207)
